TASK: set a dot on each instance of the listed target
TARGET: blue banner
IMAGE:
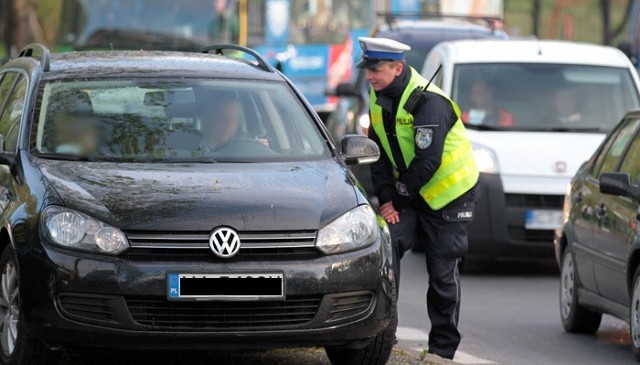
(405, 6)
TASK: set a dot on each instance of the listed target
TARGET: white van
(534, 111)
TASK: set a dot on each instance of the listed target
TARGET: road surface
(509, 315)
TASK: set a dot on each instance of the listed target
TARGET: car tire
(16, 346)
(634, 315)
(377, 352)
(575, 317)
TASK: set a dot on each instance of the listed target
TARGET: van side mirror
(616, 183)
(627, 49)
(358, 150)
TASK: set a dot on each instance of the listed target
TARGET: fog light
(109, 239)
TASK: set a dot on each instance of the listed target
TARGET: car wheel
(376, 353)
(634, 315)
(575, 317)
(16, 347)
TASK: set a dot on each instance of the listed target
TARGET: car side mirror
(6, 158)
(627, 49)
(616, 183)
(343, 89)
(357, 150)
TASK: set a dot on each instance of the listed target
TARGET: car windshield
(554, 97)
(175, 120)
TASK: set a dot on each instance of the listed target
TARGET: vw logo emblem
(560, 167)
(224, 242)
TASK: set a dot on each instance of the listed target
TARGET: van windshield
(174, 121)
(543, 97)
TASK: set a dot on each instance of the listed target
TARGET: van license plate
(543, 219)
(226, 286)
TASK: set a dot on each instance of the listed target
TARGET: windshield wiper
(579, 129)
(63, 157)
(484, 127)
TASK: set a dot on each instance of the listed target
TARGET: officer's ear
(399, 66)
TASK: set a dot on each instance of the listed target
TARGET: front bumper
(71, 298)
(498, 229)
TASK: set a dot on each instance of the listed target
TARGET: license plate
(226, 286)
(543, 219)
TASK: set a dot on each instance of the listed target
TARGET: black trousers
(443, 234)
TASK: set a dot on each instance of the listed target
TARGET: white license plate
(253, 286)
(543, 219)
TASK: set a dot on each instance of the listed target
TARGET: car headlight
(74, 230)
(354, 230)
(486, 159)
(386, 239)
(364, 121)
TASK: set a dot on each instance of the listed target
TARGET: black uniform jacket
(436, 114)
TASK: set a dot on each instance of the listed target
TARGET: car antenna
(432, 77)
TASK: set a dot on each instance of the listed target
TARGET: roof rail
(262, 63)
(390, 16)
(31, 49)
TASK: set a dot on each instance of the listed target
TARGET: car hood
(200, 197)
(541, 162)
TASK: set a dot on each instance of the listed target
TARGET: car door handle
(578, 198)
(601, 211)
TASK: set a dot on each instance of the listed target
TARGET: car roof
(424, 34)
(437, 27)
(533, 51)
(153, 64)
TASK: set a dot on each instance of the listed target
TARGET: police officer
(425, 180)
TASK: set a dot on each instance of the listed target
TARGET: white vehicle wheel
(17, 347)
(634, 316)
(575, 318)
(9, 307)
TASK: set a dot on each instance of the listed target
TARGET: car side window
(631, 162)
(12, 115)
(609, 158)
(6, 82)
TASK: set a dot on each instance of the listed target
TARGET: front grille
(534, 201)
(160, 313)
(530, 235)
(190, 245)
(87, 307)
(349, 305)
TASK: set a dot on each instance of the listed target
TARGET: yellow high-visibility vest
(457, 173)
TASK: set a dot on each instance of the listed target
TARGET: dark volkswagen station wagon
(181, 200)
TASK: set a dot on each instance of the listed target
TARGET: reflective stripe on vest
(457, 173)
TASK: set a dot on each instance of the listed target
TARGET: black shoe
(448, 357)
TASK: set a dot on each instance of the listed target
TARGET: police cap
(376, 51)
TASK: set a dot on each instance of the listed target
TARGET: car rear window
(175, 120)
(543, 96)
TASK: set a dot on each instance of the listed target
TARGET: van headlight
(486, 159)
(364, 121)
(74, 230)
(353, 230)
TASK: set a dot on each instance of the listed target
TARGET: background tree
(609, 33)
(21, 25)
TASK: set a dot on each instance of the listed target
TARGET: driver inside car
(221, 122)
